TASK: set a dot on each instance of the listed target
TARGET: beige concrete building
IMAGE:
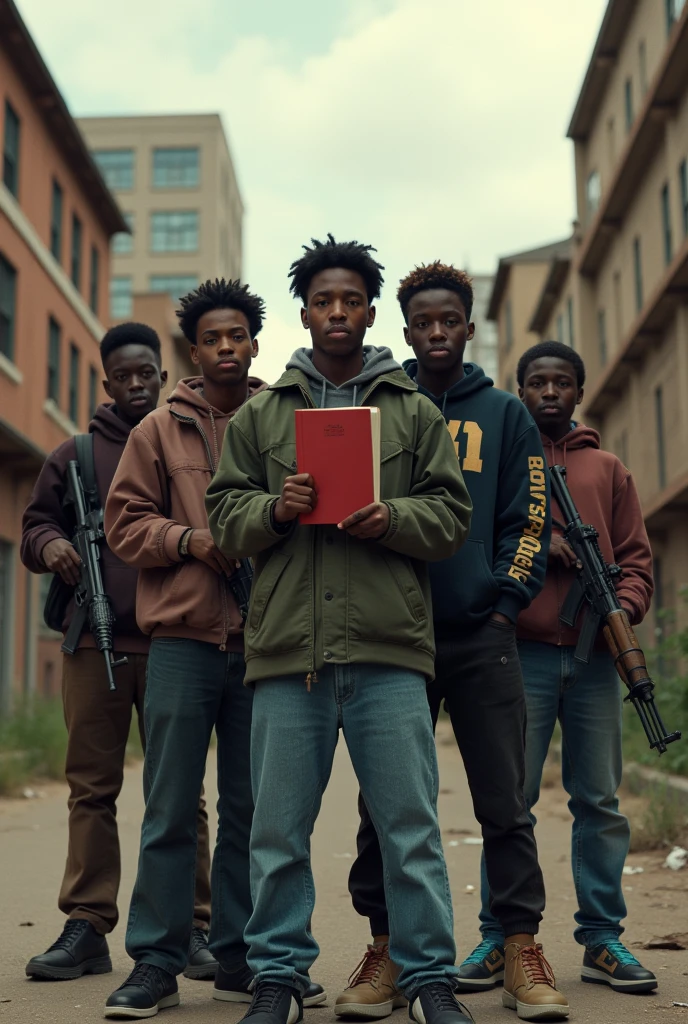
(482, 349)
(625, 279)
(175, 183)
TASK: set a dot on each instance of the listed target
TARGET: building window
(642, 66)
(593, 192)
(8, 303)
(120, 297)
(661, 448)
(175, 168)
(92, 392)
(673, 12)
(569, 318)
(76, 251)
(628, 103)
(56, 223)
(602, 336)
(10, 149)
(638, 274)
(123, 242)
(683, 181)
(95, 273)
(116, 166)
(666, 225)
(175, 286)
(560, 328)
(54, 345)
(74, 367)
(508, 326)
(174, 231)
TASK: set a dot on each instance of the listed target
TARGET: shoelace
(482, 951)
(442, 996)
(265, 997)
(199, 940)
(623, 955)
(145, 975)
(536, 968)
(370, 967)
(73, 928)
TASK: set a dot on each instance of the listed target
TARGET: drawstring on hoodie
(444, 402)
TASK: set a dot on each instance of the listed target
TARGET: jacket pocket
(407, 583)
(263, 588)
(387, 602)
(464, 591)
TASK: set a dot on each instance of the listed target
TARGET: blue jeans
(191, 688)
(587, 700)
(384, 715)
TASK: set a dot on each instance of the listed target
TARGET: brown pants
(98, 723)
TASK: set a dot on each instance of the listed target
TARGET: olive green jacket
(321, 597)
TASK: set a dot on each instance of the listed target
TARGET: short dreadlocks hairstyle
(550, 350)
(129, 333)
(323, 255)
(436, 275)
(220, 294)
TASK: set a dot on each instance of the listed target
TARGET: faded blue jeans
(384, 714)
(191, 688)
(587, 700)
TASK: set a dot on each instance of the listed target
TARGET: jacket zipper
(211, 464)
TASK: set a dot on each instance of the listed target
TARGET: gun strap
(87, 468)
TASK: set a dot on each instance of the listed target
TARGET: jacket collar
(297, 378)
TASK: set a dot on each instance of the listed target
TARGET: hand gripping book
(340, 448)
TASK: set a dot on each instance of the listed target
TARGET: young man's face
(437, 329)
(133, 381)
(550, 392)
(337, 313)
(224, 347)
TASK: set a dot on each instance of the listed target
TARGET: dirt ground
(33, 837)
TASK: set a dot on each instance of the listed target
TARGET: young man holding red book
(339, 634)
(585, 699)
(477, 596)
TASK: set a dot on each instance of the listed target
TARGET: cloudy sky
(430, 128)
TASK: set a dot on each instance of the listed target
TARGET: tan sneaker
(372, 991)
(529, 985)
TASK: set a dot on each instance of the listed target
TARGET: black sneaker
(483, 969)
(146, 990)
(79, 950)
(201, 965)
(436, 1004)
(612, 964)
(273, 1003)
(315, 995)
(233, 986)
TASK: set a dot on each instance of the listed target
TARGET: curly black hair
(220, 294)
(551, 350)
(436, 275)
(323, 255)
(129, 333)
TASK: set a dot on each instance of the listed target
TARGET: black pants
(478, 677)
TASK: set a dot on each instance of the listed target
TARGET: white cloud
(431, 128)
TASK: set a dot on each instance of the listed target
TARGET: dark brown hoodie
(159, 492)
(46, 519)
(605, 496)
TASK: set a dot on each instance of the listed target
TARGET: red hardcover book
(340, 448)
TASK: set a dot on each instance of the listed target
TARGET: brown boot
(372, 992)
(529, 985)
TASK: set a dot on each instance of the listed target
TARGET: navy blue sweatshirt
(501, 567)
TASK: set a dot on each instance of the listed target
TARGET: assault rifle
(92, 603)
(595, 586)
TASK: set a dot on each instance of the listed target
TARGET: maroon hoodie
(45, 519)
(605, 496)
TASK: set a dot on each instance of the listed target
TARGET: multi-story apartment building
(56, 220)
(483, 347)
(625, 279)
(174, 180)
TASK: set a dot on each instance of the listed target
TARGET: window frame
(54, 360)
(74, 389)
(629, 112)
(11, 160)
(190, 282)
(77, 244)
(593, 204)
(660, 437)
(94, 281)
(114, 280)
(56, 220)
(667, 239)
(8, 272)
(128, 178)
(156, 231)
(638, 274)
(158, 172)
(126, 237)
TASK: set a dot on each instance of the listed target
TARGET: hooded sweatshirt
(46, 519)
(376, 361)
(605, 496)
(502, 566)
(158, 493)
